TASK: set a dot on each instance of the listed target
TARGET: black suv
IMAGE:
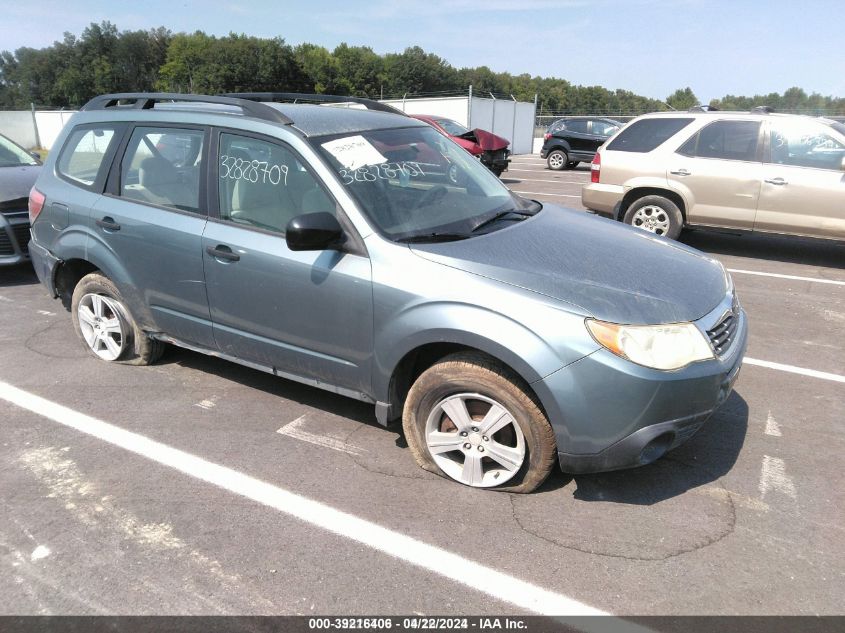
(571, 140)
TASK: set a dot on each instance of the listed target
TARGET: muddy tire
(105, 325)
(469, 419)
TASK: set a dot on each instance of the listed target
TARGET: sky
(651, 47)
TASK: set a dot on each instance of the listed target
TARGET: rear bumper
(45, 264)
(602, 198)
(609, 413)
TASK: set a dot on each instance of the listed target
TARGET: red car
(492, 150)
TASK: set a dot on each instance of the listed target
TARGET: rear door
(149, 226)
(718, 172)
(305, 314)
(804, 184)
(581, 141)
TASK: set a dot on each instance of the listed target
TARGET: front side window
(647, 134)
(803, 144)
(264, 185)
(603, 128)
(727, 140)
(414, 183)
(162, 166)
(83, 153)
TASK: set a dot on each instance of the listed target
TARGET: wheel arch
(640, 192)
(415, 360)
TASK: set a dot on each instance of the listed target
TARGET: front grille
(21, 232)
(722, 334)
(6, 247)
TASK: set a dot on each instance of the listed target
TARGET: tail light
(36, 203)
(595, 168)
(546, 136)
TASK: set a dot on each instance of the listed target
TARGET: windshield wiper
(521, 215)
(433, 237)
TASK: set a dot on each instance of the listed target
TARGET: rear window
(646, 134)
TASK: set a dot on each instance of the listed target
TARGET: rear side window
(82, 157)
(727, 140)
(162, 166)
(646, 134)
(577, 126)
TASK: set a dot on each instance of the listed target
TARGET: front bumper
(14, 236)
(495, 160)
(609, 413)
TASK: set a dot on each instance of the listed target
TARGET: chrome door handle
(775, 181)
(680, 172)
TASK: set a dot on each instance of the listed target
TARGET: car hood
(602, 268)
(15, 183)
(487, 141)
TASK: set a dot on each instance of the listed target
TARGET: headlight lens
(657, 346)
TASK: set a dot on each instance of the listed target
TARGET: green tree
(682, 99)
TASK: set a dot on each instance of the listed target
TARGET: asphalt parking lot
(226, 497)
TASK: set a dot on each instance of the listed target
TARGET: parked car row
(365, 253)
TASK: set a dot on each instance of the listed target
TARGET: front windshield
(452, 127)
(12, 156)
(414, 183)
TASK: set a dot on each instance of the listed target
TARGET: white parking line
(773, 477)
(812, 373)
(794, 277)
(294, 429)
(543, 193)
(491, 582)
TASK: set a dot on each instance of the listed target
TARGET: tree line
(104, 60)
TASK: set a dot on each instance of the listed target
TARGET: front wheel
(103, 322)
(468, 419)
(657, 215)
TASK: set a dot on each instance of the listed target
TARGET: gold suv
(753, 171)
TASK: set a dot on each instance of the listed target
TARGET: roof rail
(762, 109)
(294, 97)
(147, 100)
(702, 108)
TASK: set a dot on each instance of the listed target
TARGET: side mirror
(314, 232)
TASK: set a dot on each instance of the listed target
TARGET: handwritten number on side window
(255, 171)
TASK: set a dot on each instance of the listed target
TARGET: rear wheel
(557, 159)
(657, 215)
(103, 322)
(468, 419)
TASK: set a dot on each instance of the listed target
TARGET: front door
(803, 183)
(305, 314)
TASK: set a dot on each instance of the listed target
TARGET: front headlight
(657, 346)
